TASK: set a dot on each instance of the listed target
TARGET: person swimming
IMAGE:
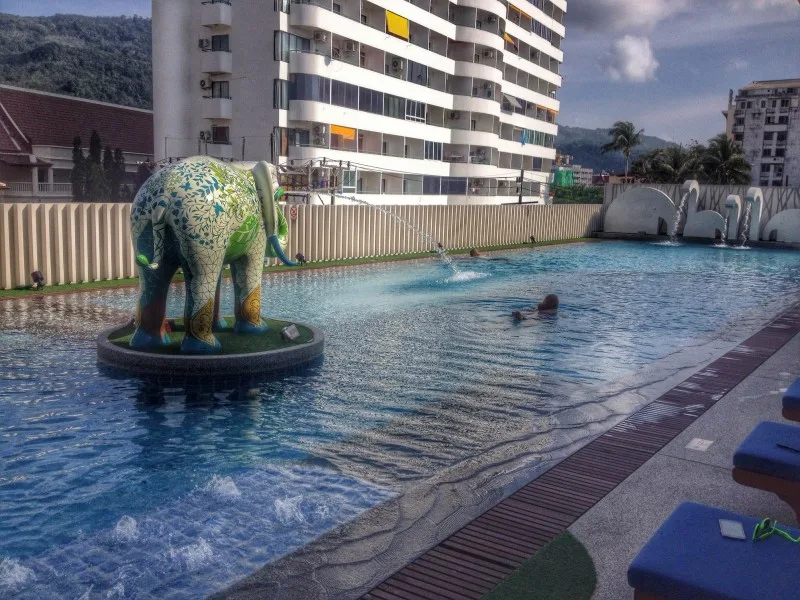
(548, 306)
(475, 254)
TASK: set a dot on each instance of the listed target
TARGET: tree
(142, 174)
(676, 164)
(644, 167)
(78, 174)
(724, 162)
(96, 185)
(624, 138)
(119, 173)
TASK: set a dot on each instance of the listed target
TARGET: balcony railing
(26, 187)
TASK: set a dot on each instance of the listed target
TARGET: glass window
(221, 43)
(765, 168)
(370, 101)
(394, 106)
(309, 87)
(781, 136)
(280, 94)
(454, 186)
(286, 43)
(415, 111)
(784, 103)
(344, 94)
(220, 89)
(431, 185)
(433, 150)
(417, 73)
(768, 135)
(220, 135)
(349, 182)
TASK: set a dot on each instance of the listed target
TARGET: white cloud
(631, 59)
(622, 15)
(737, 64)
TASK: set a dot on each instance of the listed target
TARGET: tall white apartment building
(764, 119)
(393, 101)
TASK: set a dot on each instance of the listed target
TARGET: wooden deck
(474, 559)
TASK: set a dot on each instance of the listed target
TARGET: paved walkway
(619, 525)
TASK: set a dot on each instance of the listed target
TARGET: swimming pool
(115, 488)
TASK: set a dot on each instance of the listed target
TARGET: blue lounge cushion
(688, 559)
(759, 452)
(791, 399)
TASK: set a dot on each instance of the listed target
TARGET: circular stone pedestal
(112, 350)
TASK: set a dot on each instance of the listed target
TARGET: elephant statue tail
(159, 226)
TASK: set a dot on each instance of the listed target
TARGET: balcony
(217, 108)
(219, 150)
(218, 61)
(26, 188)
(215, 13)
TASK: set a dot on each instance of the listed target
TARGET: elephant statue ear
(275, 224)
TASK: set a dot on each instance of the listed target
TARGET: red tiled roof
(53, 120)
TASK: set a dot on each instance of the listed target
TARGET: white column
(50, 175)
(35, 180)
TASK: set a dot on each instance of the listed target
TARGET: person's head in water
(549, 304)
(474, 253)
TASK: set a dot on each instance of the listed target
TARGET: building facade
(392, 101)
(764, 119)
(36, 135)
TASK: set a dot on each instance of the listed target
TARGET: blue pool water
(115, 488)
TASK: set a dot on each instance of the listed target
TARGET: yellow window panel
(512, 7)
(347, 133)
(510, 40)
(396, 25)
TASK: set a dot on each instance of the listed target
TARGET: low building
(764, 119)
(36, 135)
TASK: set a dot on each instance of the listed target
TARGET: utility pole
(520, 180)
(308, 182)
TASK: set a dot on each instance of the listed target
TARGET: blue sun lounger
(791, 402)
(689, 559)
(769, 459)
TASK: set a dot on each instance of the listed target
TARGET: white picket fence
(83, 242)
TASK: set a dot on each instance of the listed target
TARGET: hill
(100, 58)
(584, 145)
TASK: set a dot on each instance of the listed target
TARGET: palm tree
(644, 167)
(724, 162)
(676, 164)
(624, 138)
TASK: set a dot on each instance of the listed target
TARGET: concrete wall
(82, 242)
(712, 197)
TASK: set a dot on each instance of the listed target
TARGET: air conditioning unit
(320, 129)
(320, 36)
(319, 141)
(204, 43)
(492, 19)
(350, 46)
(487, 86)
(205, 136)
(478, 182)
(474, 190)
(204, 83)
(397, 65)
(534, 53)
(502, 184)
(455, 115)
(488, 53)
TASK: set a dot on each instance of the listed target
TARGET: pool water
(112, 487)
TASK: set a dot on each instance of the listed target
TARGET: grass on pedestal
(232, 343)
(562, 570)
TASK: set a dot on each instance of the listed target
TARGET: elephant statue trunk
(274, 221)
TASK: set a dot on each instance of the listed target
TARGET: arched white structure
(754, 199)
(640, 210)
(700, 224)
(733, 210)
(784, 227)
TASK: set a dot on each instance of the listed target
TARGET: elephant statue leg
(247, 272)
(151, 330)
(201, 285)
(219, 322)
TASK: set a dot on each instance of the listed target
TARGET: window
(417, 73)
(280, 94)
(415, 111)
(309, 87)
(431, 185)
(370, 101)
(433, 150)
(783, 120)
(455, 186)
(282, 6)
(780, 152)
(764, 183)
(220, 135)
(739, 121)
(738, 137)
(774, 104)
(768, 135)
(749, 105)
(781, 136)
(286, 43)
(765, 168)
(302, 137)
(767, 152)
(363, 19)
(344, 94)
(221, 43)
(770, 120)
(763, 104)
(742, 104)
(784, 103)
(337, 8)
(394, 106)
(349, 182)
(220, 89)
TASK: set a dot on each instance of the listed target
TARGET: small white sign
(699, 444)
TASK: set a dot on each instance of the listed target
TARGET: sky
(666, 65)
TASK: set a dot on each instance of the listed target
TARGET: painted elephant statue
(201, 214)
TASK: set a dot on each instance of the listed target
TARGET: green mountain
(100, 58)
(584, 146)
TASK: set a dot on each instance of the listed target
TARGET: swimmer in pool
(475, 254)
(548, 306)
